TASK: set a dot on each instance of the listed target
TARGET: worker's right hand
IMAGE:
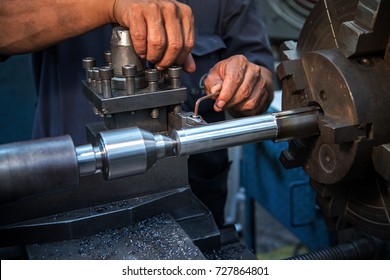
(162, 31)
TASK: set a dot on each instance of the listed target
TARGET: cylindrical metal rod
(50, 164)
(37, 167)
(276, 126)
(225, 134)
(123, 152)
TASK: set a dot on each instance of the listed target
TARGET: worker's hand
(245, 88)
(162, 31)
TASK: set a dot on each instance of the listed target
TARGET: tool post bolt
(152, 76)
(174, 74)
(106, 73)
(96, 82)
(108, 57)
(129, 71)
(88, 64)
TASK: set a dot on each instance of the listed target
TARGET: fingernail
(220, 104)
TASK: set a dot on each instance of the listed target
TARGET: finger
(174, 37)
(189, 64)
(248, 102)
(156, 36)
(249, 88)
(256, 103)
(188, 33)
(232, 80)
(138, 34)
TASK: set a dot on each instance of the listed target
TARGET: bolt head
(129, 70)
(89, 62)
(152, 75)
(106, 73)
(175, 71)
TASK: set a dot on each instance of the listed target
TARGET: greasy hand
(245, 88)
(162, 31)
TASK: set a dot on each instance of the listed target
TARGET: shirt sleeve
(242, 28)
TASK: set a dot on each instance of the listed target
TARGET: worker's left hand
(245, 89)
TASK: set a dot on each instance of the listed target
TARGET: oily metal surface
(321, 28)
(155, 238)
(90, 220)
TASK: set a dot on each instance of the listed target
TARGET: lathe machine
(125, 194)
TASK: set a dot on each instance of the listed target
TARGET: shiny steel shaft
(36, 166)
(225, 134)
(133, 151)
(123, 152)
(275, 126)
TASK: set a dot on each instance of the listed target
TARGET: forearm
(27, 26)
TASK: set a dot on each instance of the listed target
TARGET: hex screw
(106, 73)
(174, 74)
(129, 71)
(155, 113)
(96, 82)
(88, 64)
(152, 76)
(108, 57)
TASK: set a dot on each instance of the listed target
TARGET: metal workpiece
(297, 123)
(131, 151)
(123, 152)
(122, 51)
(89, 159)
(275, 126)
(225, 134)
(37, 167)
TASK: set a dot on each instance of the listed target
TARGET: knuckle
(189, 44)
(157, 43)
(245, 91)
(257, 72)
(153, 6)
(186, 11)
(251, 105)
(175, 46)
(241, 58)
(236, 77)
(170, 6)
(138, 35)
